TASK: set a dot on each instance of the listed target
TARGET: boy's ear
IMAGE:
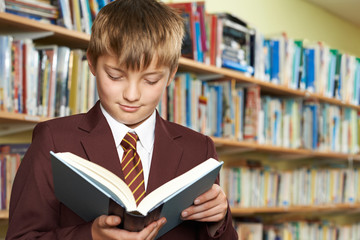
(172, 75)
(91, 65)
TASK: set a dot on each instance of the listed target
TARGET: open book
(91, 190)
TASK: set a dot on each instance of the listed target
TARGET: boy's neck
(145, 130)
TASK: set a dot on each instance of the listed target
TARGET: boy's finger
(160, 223)
(209, 208)
(204, 214)
(212, 193)
(199, 207)
(145, 233)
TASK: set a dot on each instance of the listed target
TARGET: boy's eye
(151, 82)
(152, 79)
(115, 77)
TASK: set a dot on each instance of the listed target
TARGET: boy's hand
(105, 227)
(211, 206)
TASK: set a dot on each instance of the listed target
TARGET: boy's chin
(133, 124)
(132, 120)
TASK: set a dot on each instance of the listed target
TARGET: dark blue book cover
(275, 61)
(314, 110)
(219, 112)
(310, 69)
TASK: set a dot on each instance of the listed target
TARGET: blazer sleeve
(34, 210)
(226, 231)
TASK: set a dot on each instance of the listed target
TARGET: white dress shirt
(145, 144)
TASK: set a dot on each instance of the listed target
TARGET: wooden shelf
(232, 146)
(4, 214)
(11, 123)
(12, 24)
(9, 117)
(344, 207)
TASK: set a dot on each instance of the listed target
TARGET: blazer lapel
(99, 142)
(166, 155)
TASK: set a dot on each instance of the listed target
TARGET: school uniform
(35, 213)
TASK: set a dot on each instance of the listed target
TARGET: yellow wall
(298, 18)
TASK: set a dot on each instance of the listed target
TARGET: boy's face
(129, 96)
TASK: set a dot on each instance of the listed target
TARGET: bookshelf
(76, 39)
(266, 87)
(45, 34)
(224, 144)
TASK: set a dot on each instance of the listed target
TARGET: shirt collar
(145, 131)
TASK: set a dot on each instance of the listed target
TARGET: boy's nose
(132, 92)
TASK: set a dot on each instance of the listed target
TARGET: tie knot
(129, 141)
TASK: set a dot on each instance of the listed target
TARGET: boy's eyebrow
(155, 72)
(151, 72)
(114, 68)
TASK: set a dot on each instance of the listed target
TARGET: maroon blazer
(35, 213)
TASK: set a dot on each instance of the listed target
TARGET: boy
(133, 52)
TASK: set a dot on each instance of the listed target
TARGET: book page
(162, 193)
(118, 188)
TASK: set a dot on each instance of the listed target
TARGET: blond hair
(136, 31)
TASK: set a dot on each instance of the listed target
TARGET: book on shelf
(5, 71)
(238, 102)
(196, 44)
(215, 109)
(85, 13)
(62, 81)
(47, 79)
(235, 43)
(15, 148)
(76, 15)
(32, 9)
(211, 31)
(252, 109)
(91, 190)
(10, 158)
(16, 74)
(237, 66)
(297, 68)
(64, 18)
(2, 5)
(188, 13)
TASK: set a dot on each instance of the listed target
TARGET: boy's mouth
(127, 108)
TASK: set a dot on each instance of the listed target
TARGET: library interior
(275, 84)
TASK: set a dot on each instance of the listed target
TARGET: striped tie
(132, 167)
